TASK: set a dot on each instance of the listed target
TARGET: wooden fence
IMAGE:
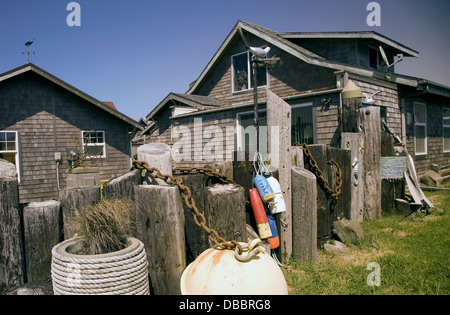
(166, 225)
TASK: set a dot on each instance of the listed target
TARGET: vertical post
(355, 143)
(279, 118)
(42, 230)
(225, 211)
(157, 155)
(11, 252)
(73, 200)
(304, 215)
(160, 226)
(370, 120)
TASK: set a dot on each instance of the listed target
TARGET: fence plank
(304, 215)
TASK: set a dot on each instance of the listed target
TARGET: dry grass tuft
(104, 226)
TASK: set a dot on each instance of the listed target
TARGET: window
(9, 148)
(94, 141)
(302, 124)
(246, 131)
(242, 73)
(446, 126)
(373, 58)
(420, 128)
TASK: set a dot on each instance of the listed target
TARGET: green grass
(413, 254)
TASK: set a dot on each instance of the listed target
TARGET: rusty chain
(333, 193)
(199, 218)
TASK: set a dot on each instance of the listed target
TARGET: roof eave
(70, 88)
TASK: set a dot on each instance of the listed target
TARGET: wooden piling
(304, 215)
(42, 223)
(73, 201)
(355, 143)
(11, 251)
(224, 207)
(160, 226)
(371, 124)
(122, 186)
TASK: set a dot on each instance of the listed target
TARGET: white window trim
(97, 144)
(422, 125)
(16, 151)
(238, 127)
(444, 126)
(250, 74)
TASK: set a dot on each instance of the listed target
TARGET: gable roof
(102, 105)
(281, 40)
(197, 101)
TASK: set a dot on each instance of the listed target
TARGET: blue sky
(136, 52)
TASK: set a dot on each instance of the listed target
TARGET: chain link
(199, 218)
(333, 193)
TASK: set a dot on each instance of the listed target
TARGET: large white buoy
(218, 272)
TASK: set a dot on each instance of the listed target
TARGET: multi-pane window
(302, 124)
(94, 142)
(420, 128)
(242, 76)
(9, 148)
(446, 126)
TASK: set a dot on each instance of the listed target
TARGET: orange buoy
(260, 214)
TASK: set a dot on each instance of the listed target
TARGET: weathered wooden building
(41, 117)
(208, 122)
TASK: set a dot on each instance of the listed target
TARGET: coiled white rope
(124, 272)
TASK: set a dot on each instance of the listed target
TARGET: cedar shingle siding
(47, 118)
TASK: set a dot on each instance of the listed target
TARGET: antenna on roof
(383, 54)
(28, 44)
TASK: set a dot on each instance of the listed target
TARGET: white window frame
(16, 151)
(444, 127)
(420, 124)
(249, 71)
(98, 144)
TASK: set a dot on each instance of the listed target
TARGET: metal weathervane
(28, 44)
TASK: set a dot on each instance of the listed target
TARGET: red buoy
(260, 214)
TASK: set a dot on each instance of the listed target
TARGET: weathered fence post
(42, 223)
(344, 202)
(279, 123)
(73, 200)
(355, 143)
(11, 251)
(122, 186)
(196, 240)
(319, 153)
(160, 226)
(304, 215)
(371, 124)
(224, 207)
